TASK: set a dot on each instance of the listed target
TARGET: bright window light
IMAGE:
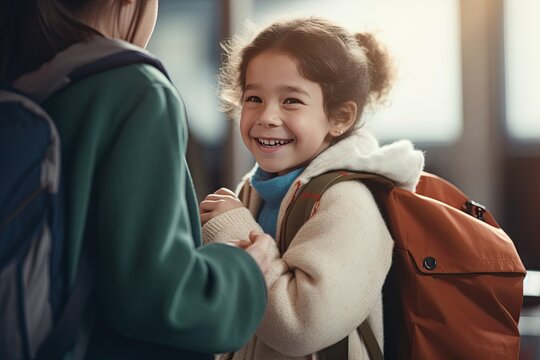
(522, 55)
(531, 284)
(186, 40)
(423, 37)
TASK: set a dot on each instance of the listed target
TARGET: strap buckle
(475, 209)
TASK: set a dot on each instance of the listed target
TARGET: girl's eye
(254, 99)
(289, 101)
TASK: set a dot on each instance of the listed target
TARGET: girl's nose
(269, 117)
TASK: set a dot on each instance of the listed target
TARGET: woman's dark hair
(346, 66)
(33, 31)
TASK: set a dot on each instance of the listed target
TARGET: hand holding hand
(220, 201)
(259, 249)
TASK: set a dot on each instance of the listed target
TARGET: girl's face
(283, 122)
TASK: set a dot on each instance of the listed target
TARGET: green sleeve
(154, 282)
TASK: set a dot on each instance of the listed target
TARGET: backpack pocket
(25, 307)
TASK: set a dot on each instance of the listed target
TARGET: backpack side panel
(30, 251)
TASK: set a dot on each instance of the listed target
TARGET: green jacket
(160, 294)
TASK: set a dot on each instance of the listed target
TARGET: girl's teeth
(273, 142)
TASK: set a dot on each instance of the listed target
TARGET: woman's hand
(258, 245)
(220, 201)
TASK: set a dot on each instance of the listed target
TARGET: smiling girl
(301, 87)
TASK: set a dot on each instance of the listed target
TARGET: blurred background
(466, 93)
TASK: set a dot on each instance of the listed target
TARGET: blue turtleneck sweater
(272, 189)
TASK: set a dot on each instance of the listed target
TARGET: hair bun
(381, 69)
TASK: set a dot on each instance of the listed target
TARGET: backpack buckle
(475, 209)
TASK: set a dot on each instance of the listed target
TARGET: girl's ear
(346, 115)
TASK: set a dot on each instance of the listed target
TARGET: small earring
(339, 132)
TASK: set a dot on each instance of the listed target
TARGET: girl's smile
(272, 145)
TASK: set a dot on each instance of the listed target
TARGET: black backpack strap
(300, 211)
(373, 348)
(309, 195)
(337, 351)
(340, 350)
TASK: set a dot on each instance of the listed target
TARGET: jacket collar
(360, 151)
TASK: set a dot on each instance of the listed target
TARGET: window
(423, 37)
(186, 39)
(522, 59)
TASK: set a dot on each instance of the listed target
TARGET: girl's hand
(217, 203)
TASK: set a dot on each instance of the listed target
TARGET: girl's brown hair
(347, 67)
(35, 30)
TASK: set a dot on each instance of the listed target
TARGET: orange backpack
(455, 287)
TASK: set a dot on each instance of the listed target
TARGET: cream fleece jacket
(330, 278)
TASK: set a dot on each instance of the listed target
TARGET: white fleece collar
(360, 151)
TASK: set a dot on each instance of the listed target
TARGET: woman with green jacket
(159, 293)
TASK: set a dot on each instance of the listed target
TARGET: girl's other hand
(219, 202)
